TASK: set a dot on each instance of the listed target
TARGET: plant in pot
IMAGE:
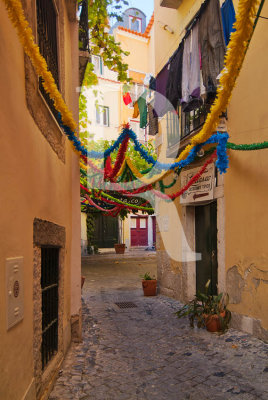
(208, 310)
(149, 285)
(119, 248)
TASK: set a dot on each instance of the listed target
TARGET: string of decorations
(247, 147)
(234, 58)
(25, 34)
(190, 183)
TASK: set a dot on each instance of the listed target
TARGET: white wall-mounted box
(14, 290)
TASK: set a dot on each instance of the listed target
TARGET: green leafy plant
(203, 306)
(147, 276)
(103, 44)
(90, 233)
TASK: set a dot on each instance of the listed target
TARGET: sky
(147, 6)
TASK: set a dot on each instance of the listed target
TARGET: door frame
(188, 222)
(138, 216)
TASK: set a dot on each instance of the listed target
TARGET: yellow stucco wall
(246, 192)
(34, 183)
(245, 219)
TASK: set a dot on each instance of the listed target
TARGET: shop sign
(202, 189)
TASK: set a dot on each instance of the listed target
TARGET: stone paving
(146, 352)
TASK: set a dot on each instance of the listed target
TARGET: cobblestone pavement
(146, 352)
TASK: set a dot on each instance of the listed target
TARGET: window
(173, 128)
(133, 223)
(140, 132)
(98, 67)
(136, 90)
(102, 115)
(47, 40)
(193, 120)
(135, 23)
(143, 223)
(49, 287)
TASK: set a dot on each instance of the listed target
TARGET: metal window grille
(190, 121)
(49, 287)
(47, 40)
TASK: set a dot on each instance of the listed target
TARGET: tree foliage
(103, 44)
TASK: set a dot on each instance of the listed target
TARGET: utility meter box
(14, 290)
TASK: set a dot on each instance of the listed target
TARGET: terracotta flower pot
(149, 287)
(120, 248)
(213, 322)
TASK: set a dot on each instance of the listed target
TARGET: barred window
(47, 41)
(49, 287)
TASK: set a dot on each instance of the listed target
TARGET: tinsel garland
(247, 147)
(25, 34)
(112, 212)
(110, 172)
(115, 201)
(234, 58)
(190, 183)
(233, 61)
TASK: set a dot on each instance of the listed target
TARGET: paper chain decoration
(235, 55)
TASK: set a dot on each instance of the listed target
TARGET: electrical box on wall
(14, 290)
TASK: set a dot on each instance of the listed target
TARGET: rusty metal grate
(126, 304)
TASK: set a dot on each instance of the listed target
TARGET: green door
(106, 231)
(206, 244)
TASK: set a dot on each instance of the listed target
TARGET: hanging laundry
(153, 121)
(212, 45)
(174, 90)
(127, 99)
(136, 112)
(143, 110)
(191, 72)
(152, 83)
(228, 19)
(160, 107)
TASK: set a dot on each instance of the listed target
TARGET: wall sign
(202, 189)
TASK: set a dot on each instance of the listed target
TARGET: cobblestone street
(146, 352)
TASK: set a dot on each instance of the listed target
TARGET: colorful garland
(233, 62)
(25, 34)
(234, 58)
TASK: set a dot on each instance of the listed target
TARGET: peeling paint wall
(246, 191)
(242, 197)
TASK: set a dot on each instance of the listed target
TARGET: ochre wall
(34, 183)
(246, 193)
(245, 222)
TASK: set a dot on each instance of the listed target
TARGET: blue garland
(219, 138)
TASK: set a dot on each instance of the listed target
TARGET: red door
(139, 231)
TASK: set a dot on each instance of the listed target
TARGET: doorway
(206, 244)
(106, 231)
(139, 231)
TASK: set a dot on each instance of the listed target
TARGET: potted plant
(208, 310)
(119, 248)
(149, 285)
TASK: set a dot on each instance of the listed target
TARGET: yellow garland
(16, 15)
(234, 58)
(233, 62)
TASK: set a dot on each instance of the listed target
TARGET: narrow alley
(146, 352)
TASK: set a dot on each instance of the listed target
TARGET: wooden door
(206, 244)
(106, 231)
(139, 231)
